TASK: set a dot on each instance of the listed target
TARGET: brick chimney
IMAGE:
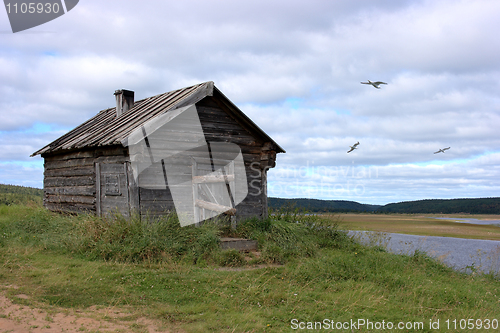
(124, 101)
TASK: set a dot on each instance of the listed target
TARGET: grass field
(420, 225)
(176, 277)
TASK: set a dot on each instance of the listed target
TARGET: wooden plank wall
(218, 126)
(70, 180)
(154, 191)
(155, 201)
(113, 191)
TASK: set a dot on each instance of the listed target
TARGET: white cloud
(18, 174)
(390, 183)
(19, 145)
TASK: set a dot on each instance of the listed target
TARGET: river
(460, 253)
(468, 220)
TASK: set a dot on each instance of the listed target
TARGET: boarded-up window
(111, 189)
(112, 185)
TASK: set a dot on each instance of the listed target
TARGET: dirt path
(15, 318)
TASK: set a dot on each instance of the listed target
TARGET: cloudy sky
(294, 67)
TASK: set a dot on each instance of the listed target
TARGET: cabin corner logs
(100, 179)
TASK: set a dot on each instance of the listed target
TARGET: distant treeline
(316, 205)
(430, 206)
(444, 206)
(13, 194)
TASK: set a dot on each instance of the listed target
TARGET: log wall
(74, 181)
(112, 187)
(219, 126)
(69, 182)
(70, 178)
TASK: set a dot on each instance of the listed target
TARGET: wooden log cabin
(91, 168)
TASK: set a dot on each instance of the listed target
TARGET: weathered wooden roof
(105, 129)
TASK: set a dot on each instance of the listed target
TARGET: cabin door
(112, 189)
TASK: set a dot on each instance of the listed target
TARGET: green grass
(135, 240)
(82, 261)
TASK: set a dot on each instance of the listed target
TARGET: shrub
(289, 234)
(281, 237)
(230, 258)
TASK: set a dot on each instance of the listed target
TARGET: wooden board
(147, 194)
(133, 191)
(68, 181)
(81, 199)
(57, 164)
(89, 190)
(70, 207)
(70, 172)
(215, 207)
(156, 206)
(113, 187)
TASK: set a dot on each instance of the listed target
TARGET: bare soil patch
(16, 318)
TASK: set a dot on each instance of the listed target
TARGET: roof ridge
(105, 129)
(101, 130)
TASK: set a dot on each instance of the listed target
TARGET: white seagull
(375, 84)
(354, 146)
(442, 150)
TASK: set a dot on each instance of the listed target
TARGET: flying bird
(354, 146)
(442, 150)
(375, 84)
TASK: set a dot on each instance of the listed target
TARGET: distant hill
(13, 194)
(428, 206)
(444, 206)
(316, 205)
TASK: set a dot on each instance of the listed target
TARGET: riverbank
(464, 255)
(420, 224)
